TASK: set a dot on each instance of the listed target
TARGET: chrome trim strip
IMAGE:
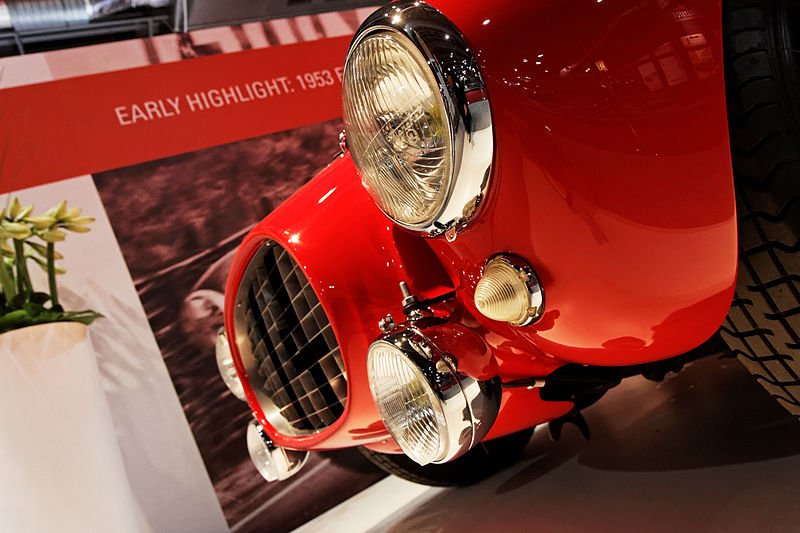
(466, 103)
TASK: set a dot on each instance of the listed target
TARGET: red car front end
(607, 190)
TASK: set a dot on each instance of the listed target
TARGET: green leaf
(35, 313)
(43, 264)
(42, 250)
(14, 319)
(39, 261)
(15, 315)
(53, 235)
(84, 317)
(33, 309)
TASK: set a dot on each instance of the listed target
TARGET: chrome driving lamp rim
(469, 406)
(463, 92)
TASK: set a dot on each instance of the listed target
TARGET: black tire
(477, 464)
(762, 74)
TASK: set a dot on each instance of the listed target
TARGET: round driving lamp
(432, 411)
(509, 291)
(226, 368)
(274, 463)
(417, 119)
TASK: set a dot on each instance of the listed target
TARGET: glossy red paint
(611, 174)
(611, 177)
(355, 259)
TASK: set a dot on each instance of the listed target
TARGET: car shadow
(713, 413)
(705, 450)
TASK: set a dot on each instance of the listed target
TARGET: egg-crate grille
(293, 342)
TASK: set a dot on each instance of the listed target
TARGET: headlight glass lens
(397, 127)
(412, 413)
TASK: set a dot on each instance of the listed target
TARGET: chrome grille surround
(287, 345)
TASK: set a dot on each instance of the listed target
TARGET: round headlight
(397, 127)
(417, 120)
(509, 291)
(407, 403)
(432, 411)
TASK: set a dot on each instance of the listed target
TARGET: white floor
(707, 450)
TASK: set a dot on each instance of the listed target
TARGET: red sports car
(533, 201)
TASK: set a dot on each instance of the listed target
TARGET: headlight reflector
(397, 127)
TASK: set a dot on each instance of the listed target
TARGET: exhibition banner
(178, 145)
(66, 128)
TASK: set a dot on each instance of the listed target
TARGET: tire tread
(763, 325)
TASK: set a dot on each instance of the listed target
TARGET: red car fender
(355, 259)
(611, 174)
(616, 190)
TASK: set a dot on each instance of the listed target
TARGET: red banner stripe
(60, 129)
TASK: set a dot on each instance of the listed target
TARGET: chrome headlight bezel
(467, 406)
(466, 105)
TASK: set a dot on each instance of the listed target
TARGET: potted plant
(61, 462)
(32, 238)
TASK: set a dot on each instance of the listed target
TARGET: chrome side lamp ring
(510, 291)
(463, 91)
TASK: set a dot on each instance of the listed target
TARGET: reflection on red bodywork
(611, 178)
(612, 172)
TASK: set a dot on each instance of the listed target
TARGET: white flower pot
(60, 463)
